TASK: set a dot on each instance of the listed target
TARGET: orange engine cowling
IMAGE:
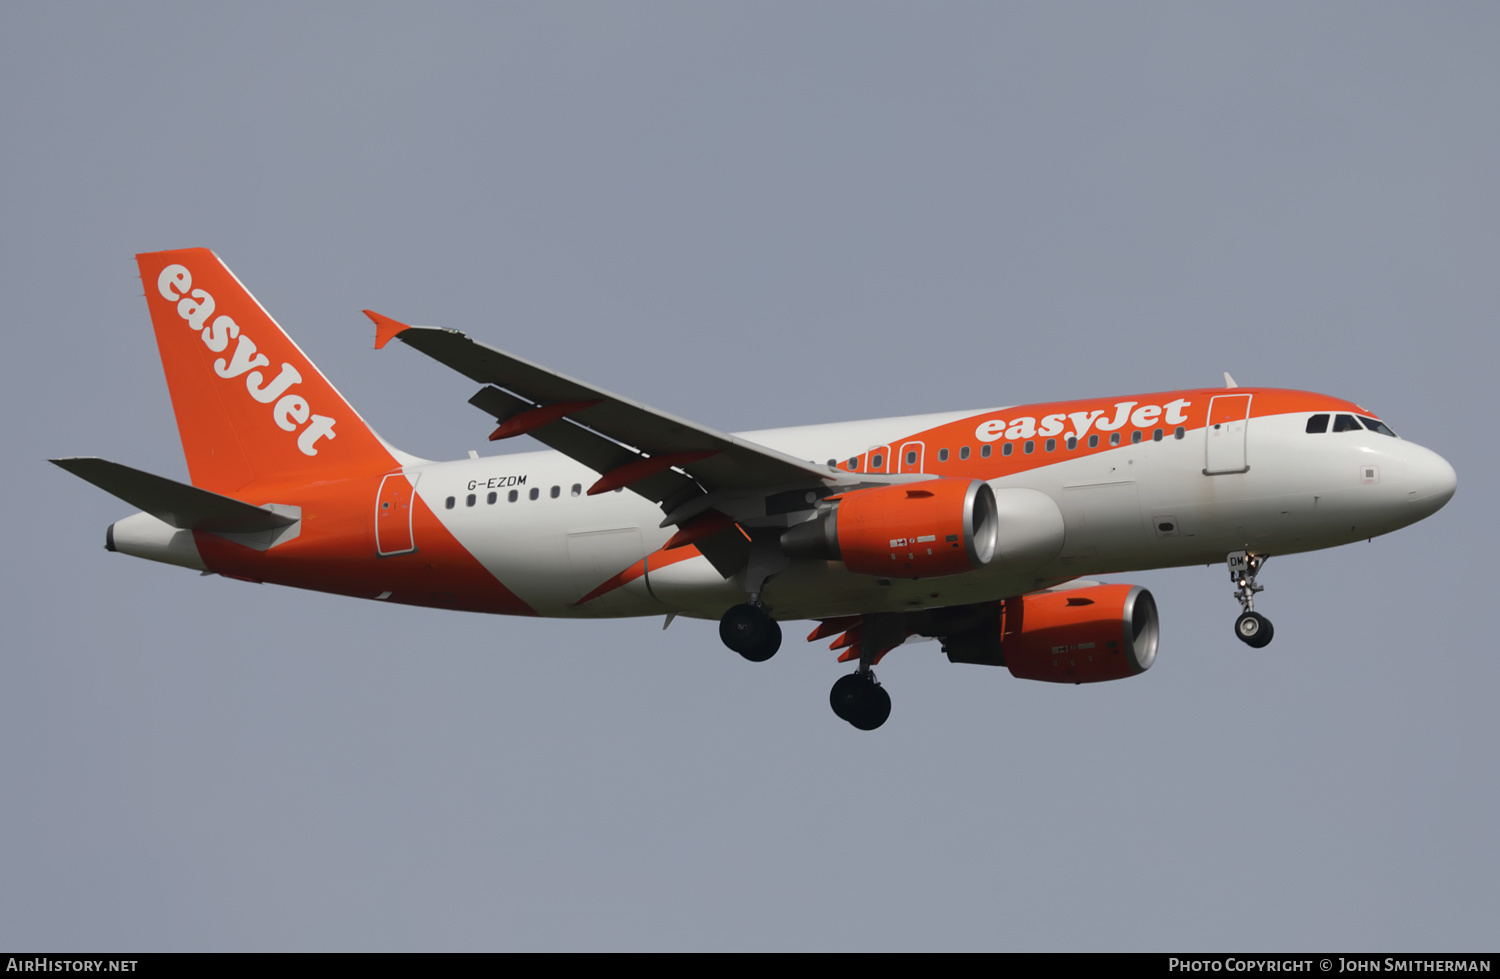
(910, 530)
(1075, 635)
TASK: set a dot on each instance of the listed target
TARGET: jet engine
(1073, 635)
(910, 530)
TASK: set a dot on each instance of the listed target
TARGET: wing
(616, 437)
(686, 468)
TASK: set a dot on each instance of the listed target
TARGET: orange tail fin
(251, 407)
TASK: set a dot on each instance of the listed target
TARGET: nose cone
(1431, 482)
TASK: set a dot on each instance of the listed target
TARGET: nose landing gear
(1252, 628)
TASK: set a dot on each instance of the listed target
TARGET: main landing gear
(1252, 628)
(860, 699)
(749, 630)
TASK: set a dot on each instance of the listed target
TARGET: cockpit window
(1345, 423)
(1376, 425)
(1317, 424)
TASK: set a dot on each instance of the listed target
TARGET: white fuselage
(1136, 506)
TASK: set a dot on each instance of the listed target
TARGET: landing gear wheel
(873, 710)
(749, 631)
(1254, 629)
(860, 700)
(845, 695)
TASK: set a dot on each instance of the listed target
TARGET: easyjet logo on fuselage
(1137, 414)
(289, 410)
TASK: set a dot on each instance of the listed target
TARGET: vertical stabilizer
(251, 407)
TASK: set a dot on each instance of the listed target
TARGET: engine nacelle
(910, 530)
(1075, 635)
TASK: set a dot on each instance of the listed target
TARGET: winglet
(386, 329)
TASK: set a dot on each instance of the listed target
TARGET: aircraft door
(1228, 422)
(911, 458)
(393, 512)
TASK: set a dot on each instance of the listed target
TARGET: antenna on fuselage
(1229, 381)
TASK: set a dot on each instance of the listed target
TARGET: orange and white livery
(979, 529)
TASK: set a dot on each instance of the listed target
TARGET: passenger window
(469, 501)
(513, 495)
(854, 464)
(1051, 444)
(942, 455)
(1114, 438)
(1009, 448)
(556, 492)
(534, 493)
(577, 489)
(1317, 424)
(1030, 446)
(1156, 435)
(876, 461)
(1375, 425)
(1179, 433)
(911, 458)
(1072, 444)
(491, 498)
(1093, 441)
(448, 503)
(963, 453)
(1135, 438)
(1345, 423)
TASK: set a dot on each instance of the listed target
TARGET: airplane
(980, 529)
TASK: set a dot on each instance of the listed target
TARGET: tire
(874, 708)
(749, 631)
(845, 696)
(1254, 630)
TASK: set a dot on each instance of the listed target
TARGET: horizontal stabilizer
(182, 506)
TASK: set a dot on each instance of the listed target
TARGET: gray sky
(750, 215)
